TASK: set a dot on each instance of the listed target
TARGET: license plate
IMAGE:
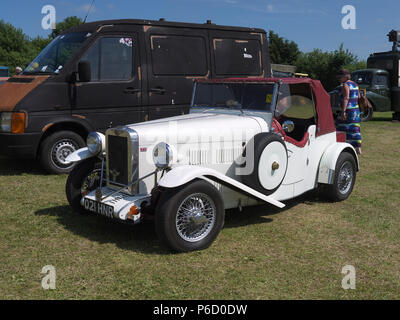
(98, 207)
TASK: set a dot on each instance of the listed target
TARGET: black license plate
(98, 207)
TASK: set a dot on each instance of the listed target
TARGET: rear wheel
(344, 180)
(190, 217)
(56, 148)
(85, 177)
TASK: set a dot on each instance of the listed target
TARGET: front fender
(79, 155)
(181, 175)
(328, 161)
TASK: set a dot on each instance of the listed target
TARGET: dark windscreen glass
(53, 58)
(256, 97)
(362, 77)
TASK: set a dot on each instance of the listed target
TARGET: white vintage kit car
(245, 142)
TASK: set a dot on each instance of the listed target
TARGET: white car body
(208, 144)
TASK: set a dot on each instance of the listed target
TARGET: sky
(310, 23)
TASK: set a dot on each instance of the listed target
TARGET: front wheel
(190, 217)
(85, 177)
(344, 179)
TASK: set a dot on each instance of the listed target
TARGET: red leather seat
(278, 128)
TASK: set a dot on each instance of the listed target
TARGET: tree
(15, 47)
(324, 66)
(282, 51)
(64, 25)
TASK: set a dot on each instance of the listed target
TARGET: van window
(237, 57)
(178, 55)
(111, 58)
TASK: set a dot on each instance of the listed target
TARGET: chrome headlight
(162, 155)
(95, 143)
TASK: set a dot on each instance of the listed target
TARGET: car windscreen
(239, 96)
(57, 53)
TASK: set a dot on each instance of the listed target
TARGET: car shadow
(142, 237)
(14, 167)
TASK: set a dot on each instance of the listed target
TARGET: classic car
(245, 142)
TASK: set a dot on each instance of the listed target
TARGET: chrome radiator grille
(122, 158)
(117, 160)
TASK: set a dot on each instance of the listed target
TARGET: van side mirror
(84, 71)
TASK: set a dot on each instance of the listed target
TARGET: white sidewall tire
(269, 178)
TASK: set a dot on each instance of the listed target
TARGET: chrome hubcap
(61, 151)
(195, 217)
(345, 178)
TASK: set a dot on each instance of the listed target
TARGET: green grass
(262, 253)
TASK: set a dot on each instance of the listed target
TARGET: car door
(114, 94)
(297, 105)
(175, 57)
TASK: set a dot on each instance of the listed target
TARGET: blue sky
(310, 23)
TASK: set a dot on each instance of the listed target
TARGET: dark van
(109, 73)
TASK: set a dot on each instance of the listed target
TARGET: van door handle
(131, 90)
(157, 90)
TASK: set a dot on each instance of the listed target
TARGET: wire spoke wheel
(345, 177)
(195, 217)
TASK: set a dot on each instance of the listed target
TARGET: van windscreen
(57, 53)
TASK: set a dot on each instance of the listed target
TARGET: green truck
(381, 80)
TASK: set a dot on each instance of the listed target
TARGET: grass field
(262, 253)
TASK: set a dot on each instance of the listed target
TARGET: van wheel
(56, 148)
(190, 217)
(344, 179)
(84, 177)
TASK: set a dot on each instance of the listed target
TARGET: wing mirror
(288, 126)
(84, 71)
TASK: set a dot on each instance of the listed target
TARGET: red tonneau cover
(325, 122)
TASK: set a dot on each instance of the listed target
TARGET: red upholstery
(278, 129)
(340, 136)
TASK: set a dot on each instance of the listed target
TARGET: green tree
(15, 47)
(282, 51)
(324, 66)
(64, 25)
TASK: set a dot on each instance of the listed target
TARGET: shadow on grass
(142, 237)
(13, 167)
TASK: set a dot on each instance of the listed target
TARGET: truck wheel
(344, 179)
(269, 163)
(56, 148)
(189, 217)
(366, 115)
(84, 177)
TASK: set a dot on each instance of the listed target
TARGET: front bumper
(22, 145)
(121, 204)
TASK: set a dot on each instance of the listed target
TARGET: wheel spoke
(195, 217)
